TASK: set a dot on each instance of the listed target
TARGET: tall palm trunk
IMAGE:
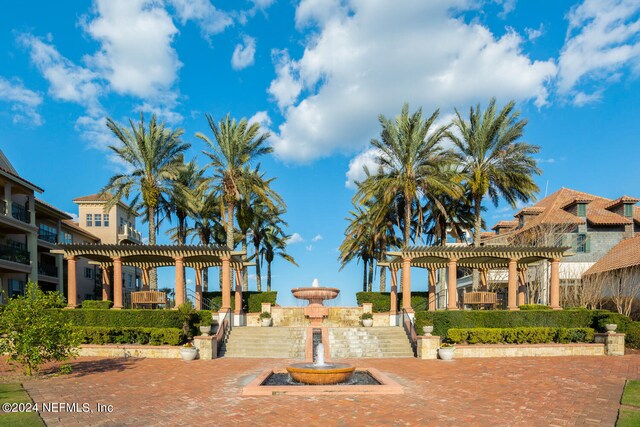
(383, 279)
(268, 276)
(153, 273)
(229, 225)
(245, 276)
(205, 279)
(370, 282)
(258, 278)
(407, 219)
(364, 275)
(477, 225)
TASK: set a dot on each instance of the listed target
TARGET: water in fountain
(320, 356)
(315, 283)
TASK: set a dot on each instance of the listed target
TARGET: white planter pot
(266, 322)
(426, 330)
(367, 323)
(446, 353)
(205, 330)
(188, 353)
(611, 327)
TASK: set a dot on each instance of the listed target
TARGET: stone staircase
(369, 342)
(281, 342)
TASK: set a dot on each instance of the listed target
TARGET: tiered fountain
(315, 294)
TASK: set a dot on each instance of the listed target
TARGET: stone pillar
(72, 286)
(394, 292)
(226, 284)
(106, 284)
(512, 302)
(452, 291)
(428, 347)
(432, 289)
(117, 284)
(207, 347)
(406, 285)
(521, 287)
(613, 343)
(554, 288)
(198, 288)
(238, 295)
(179, 281)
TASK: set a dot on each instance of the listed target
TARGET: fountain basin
(315, 294)
(333, 373)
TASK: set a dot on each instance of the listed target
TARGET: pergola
(112, 257)
(483, 258)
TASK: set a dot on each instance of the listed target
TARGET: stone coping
(386, 386)
(554, 344)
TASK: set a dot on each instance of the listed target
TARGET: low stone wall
(130, 350)
(338, 317)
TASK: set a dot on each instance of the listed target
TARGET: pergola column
(106, 284)
(198, 288)
(512, 303)
(554, 288)
(452, 291)
(238, 295)
(145, 279)
(179, 281)
(226, 284)
(117, 283)
(406, 285)
(72, 287)
(432, 289)
(394, 291)
(521, 286)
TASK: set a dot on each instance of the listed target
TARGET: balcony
(48, 236)
(48, 270)
(129, 233)
(9, 253)
(20, 213)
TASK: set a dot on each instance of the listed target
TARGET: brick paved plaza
(517, 391)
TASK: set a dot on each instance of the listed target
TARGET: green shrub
(142, 318)
(605, 317)
(382, 300)
(128, 335)
(251, 300)
(534, 307)
(265, 315)
(97, 305)
(365, 316)
(632, 339)
(534, 335)
(204, 317)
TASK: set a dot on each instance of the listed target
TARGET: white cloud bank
(24, 102)
(367, 58)
(295, 238)
(244, 53)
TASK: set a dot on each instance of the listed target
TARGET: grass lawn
(14, 393)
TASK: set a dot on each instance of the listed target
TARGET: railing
(207, 303)
(9, 253)
(48, 270)
(129, 233)
(488, 298)
(410, 330)
(48, 236)
(20, 213)
(223, 331)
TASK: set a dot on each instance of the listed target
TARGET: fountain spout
(319, 355)
(315, 283)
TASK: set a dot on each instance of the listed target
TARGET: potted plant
(265, 318)
(427, 328)
(187, 314)
(367, 319)
(611, 327)
(188, 352)
(445, 352)
(205, 329)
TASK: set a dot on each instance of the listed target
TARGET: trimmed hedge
(632, 339)
(382, 300)
(534, 307)
(520, 335)
(251, 300)
(124, 318)
(97, 305)
(126, 335)
(465, 319)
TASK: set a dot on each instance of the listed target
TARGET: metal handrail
(207, 303)
(20, 213)
(13, 254)
(223, 331)
(410, 330)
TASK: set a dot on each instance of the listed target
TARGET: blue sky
(317, 73)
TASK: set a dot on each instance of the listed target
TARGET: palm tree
(152, 157)
(492, 159)
(236, 145)
(275, 243)
(411, 157)
(360, 243)
(180, 198)
(446, 214)
(265, 220)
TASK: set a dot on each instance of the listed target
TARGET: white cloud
(262, 118)
(295, 238)
(317, 238)
(136, 55)
(603, 36)
(508, 6)
(74, 216)
(318, 11)
(67, 81)
(243, 53)
(309, 248)
(533, 33)
(369, 57)
(581, 98)
(357, 164)
(210, 20)
(24, 102)
(262, 4)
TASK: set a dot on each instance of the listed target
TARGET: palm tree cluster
(431, 181)
(227, 201)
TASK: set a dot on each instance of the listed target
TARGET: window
(47, 233)
(66, 238)
(105, 220)
(97, 220)
(121, 225)
(89, 220)
(88, 273)
(628, 210)
(16, 288)
(582, 210)
(583, 244)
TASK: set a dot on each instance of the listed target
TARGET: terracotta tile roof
(531, 210)
(93, 198)
(63, 214)
(621, 200)
(624, 254)
(553, 211)
(15, 175)
(505, 224)
(74, 225)
(486, 234)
